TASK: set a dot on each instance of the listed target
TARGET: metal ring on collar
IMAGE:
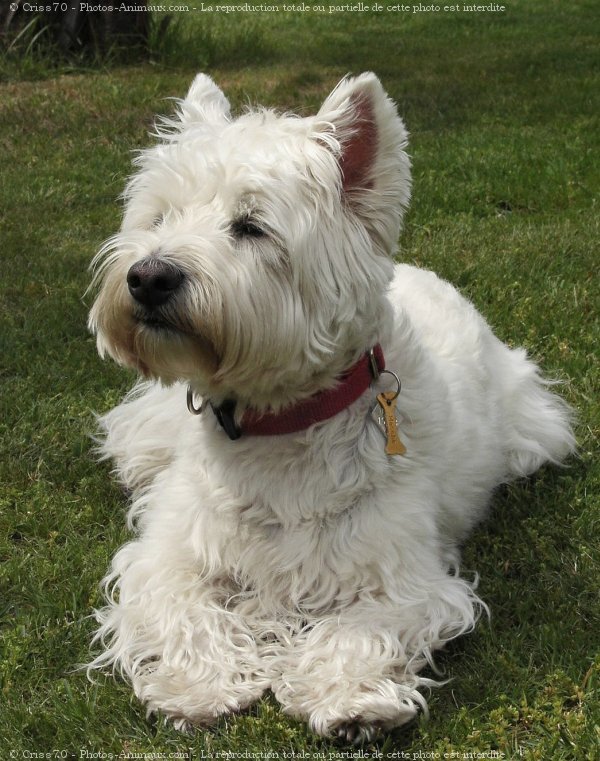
(390, 372)
(190, 403)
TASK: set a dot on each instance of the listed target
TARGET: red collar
(297, 417)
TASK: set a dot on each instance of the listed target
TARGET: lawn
(502, 109)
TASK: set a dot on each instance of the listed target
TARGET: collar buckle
(224, 413)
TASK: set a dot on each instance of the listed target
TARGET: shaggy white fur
(312, 563)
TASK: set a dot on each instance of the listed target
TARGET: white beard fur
(313, 564)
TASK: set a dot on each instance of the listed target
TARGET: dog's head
(254, 253)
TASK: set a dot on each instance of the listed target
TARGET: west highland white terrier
(318, 428)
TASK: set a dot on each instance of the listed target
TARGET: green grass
(504, 144)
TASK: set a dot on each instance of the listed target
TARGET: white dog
(301, 534)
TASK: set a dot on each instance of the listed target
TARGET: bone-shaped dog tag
(385, 416)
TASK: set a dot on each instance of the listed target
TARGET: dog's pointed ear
(204, 102)
(360, 126)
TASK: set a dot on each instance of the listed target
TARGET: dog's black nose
(152, 281)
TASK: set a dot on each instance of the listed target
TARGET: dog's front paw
(356, 732)
(354, 715)
(190, 703)
(365, 726)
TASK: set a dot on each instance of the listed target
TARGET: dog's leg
(170, 625)
(354, 674)
(171, 635)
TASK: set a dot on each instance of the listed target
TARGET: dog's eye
(158, 220)
(244, 227)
